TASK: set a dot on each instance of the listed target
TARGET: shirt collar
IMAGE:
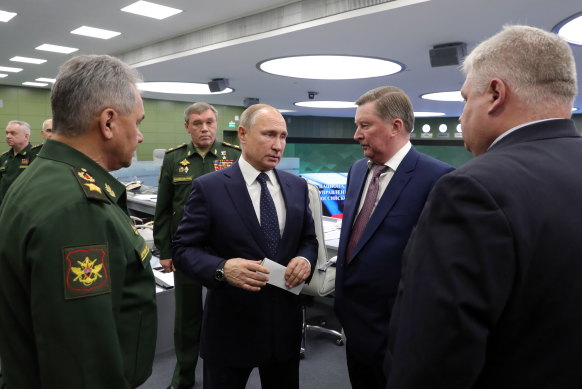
(397, 158)
(250, 174)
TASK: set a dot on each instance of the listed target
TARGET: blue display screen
(332, 188)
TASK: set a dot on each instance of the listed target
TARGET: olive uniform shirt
(181, 165)
(11, 165)
(77, 293)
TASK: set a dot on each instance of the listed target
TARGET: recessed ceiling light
(286, 110)
(326, 104)
(570, 29)
(43, 79)
(443, 96)
(9, 69)
(151, 10)
(182, 88)
(330, 67)
(30, 83)
(56, 48)
(574, 109)
(6, 16)
(36, 61)
(95, 32)
(2, 75)
(428, 114)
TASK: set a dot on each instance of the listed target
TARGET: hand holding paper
(279, 272)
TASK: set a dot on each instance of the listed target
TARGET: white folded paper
(277, 276)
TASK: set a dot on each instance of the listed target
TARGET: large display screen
(332, 188)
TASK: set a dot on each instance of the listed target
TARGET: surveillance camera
(311, 95)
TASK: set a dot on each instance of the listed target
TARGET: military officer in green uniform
(182, 164)
(77, 295)
(21, 154)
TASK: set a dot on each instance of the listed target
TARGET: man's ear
(107, 122)
(242, 134)
(498, 93)
(397, 126)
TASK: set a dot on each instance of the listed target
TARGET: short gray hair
(198, 108)
(24, 126)
(536, 64)
(391, 103)
(88, 84)
(249, 116)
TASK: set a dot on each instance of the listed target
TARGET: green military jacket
(12, 165)
(181, 165)
(77, 295)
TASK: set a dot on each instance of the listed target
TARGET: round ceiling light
(330, 67)
(181, 88)
(325, 104)
(443, 96)
(570, 29)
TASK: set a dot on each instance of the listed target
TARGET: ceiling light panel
(6, 16)
(2, 75)
(95, 32)
(428, 114)
(30, 83)
(43, 79)
(151, 10)
(330, 67)
(36, 61)
(182, 88)
(56, 48)
(9, 69)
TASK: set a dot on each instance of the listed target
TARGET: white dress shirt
(385, 177)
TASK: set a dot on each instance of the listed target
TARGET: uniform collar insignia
(109, 190)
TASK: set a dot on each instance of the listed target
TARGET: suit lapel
(399, 180)
(236, 188)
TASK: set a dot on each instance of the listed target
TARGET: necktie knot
(377, 170)
(262, 178)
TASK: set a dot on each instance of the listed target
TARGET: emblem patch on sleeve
(86, 271)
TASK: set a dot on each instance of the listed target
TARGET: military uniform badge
(222, 164)
(86, 271)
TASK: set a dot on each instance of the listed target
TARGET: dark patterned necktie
(366, 211)
(269, 220)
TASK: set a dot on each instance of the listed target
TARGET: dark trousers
(273, 375)
(365, 374)
(187, 325)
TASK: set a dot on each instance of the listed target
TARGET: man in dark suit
(379, 213)
(233, 219)
(490, 294)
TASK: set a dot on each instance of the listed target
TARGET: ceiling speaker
(218, 84)
(447, 54)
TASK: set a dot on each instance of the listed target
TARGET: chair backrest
(323, 280)
(158, 154)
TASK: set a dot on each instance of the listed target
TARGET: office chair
(158, 154)
(323, 280)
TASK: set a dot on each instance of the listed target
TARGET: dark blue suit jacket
(366, 287)
(242, 328)
(491, 290)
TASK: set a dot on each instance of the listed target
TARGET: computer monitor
(332, 188)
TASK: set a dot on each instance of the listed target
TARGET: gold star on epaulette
(94, 188)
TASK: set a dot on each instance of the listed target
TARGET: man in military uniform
(182, 164)
(47, 129)
(77, 300)
(21, 154)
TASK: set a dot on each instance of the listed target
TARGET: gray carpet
(323, 367)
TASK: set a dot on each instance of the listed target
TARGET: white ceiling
(210, 40)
